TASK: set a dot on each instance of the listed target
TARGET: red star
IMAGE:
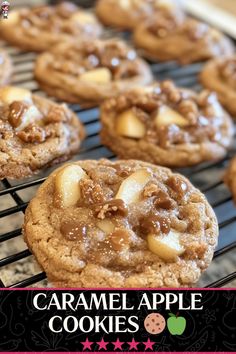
(117, 344)
(87, 344)
(148, 344)
(102, 344)
(133, 344)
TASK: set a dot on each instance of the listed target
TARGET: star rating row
(87, 345)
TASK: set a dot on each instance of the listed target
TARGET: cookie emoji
(154, 323)
(127, 14)
(166, 125)
(120, 224)
(164, 39)
(219, 75)
(35, 133)
(5, 68)
(39, 28)
(91, 71)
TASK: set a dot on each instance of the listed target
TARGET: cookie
(166, 125)
(89, 72)
(35, 133)
(120, 224)
(164, 39)
(5, 68)
(219, 75)
(154, 323)
(127, 14)
(40, 28)
(230, 179)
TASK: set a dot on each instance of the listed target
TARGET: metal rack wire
(207, 177)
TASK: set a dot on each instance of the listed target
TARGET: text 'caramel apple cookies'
(90, 71)
(39, 28)
(120, 224)
(34, 133)
(5, 68)
(219, 75)
(127, 14)
(166, 125)
(164, 39)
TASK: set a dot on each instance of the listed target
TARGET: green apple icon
(176, 325)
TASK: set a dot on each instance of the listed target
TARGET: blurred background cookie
(91, 71)
(127, 14)
(166, 125)
(5, 68)
(164, 39)
(219, 75)
(40, 28)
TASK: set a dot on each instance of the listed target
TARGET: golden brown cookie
(120, 224)
(35, 133)
(164, 39)
(40, 28)
(166, 125)
(127, 14)
(219, 75)
(89, 72)
(230, 177)
(5, 68)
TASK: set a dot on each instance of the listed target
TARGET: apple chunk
(9, 94)
(106, 226)
(167, 247)
(83, 17)
(67, 189)
(98, 76)
(131, 188)
(127, 124)
(167, 116)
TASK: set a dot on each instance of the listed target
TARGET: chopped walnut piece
(189, 110)
(115, 206)
(196, 250)
(32, 134)
(177, 185)
(56, 115)
(91, 192)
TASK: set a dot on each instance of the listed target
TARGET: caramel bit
(155, 224)
(32, 134)
(73, 230)
(16, 112)
(114, 206)
(91, 192)
(162, 200)
(56, 115)
(120, 239)
(177, 185)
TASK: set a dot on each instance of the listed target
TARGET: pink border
(117, 352)
(122, 289)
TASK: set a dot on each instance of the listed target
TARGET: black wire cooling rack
(207, 177)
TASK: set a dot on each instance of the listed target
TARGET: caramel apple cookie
(34, 132)
(166, 125)
(219, 75)
(230, 178)
(164, 39)
(89, 72)
(40, 28)
(120, 224)
(5, 68)
(127, 14)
